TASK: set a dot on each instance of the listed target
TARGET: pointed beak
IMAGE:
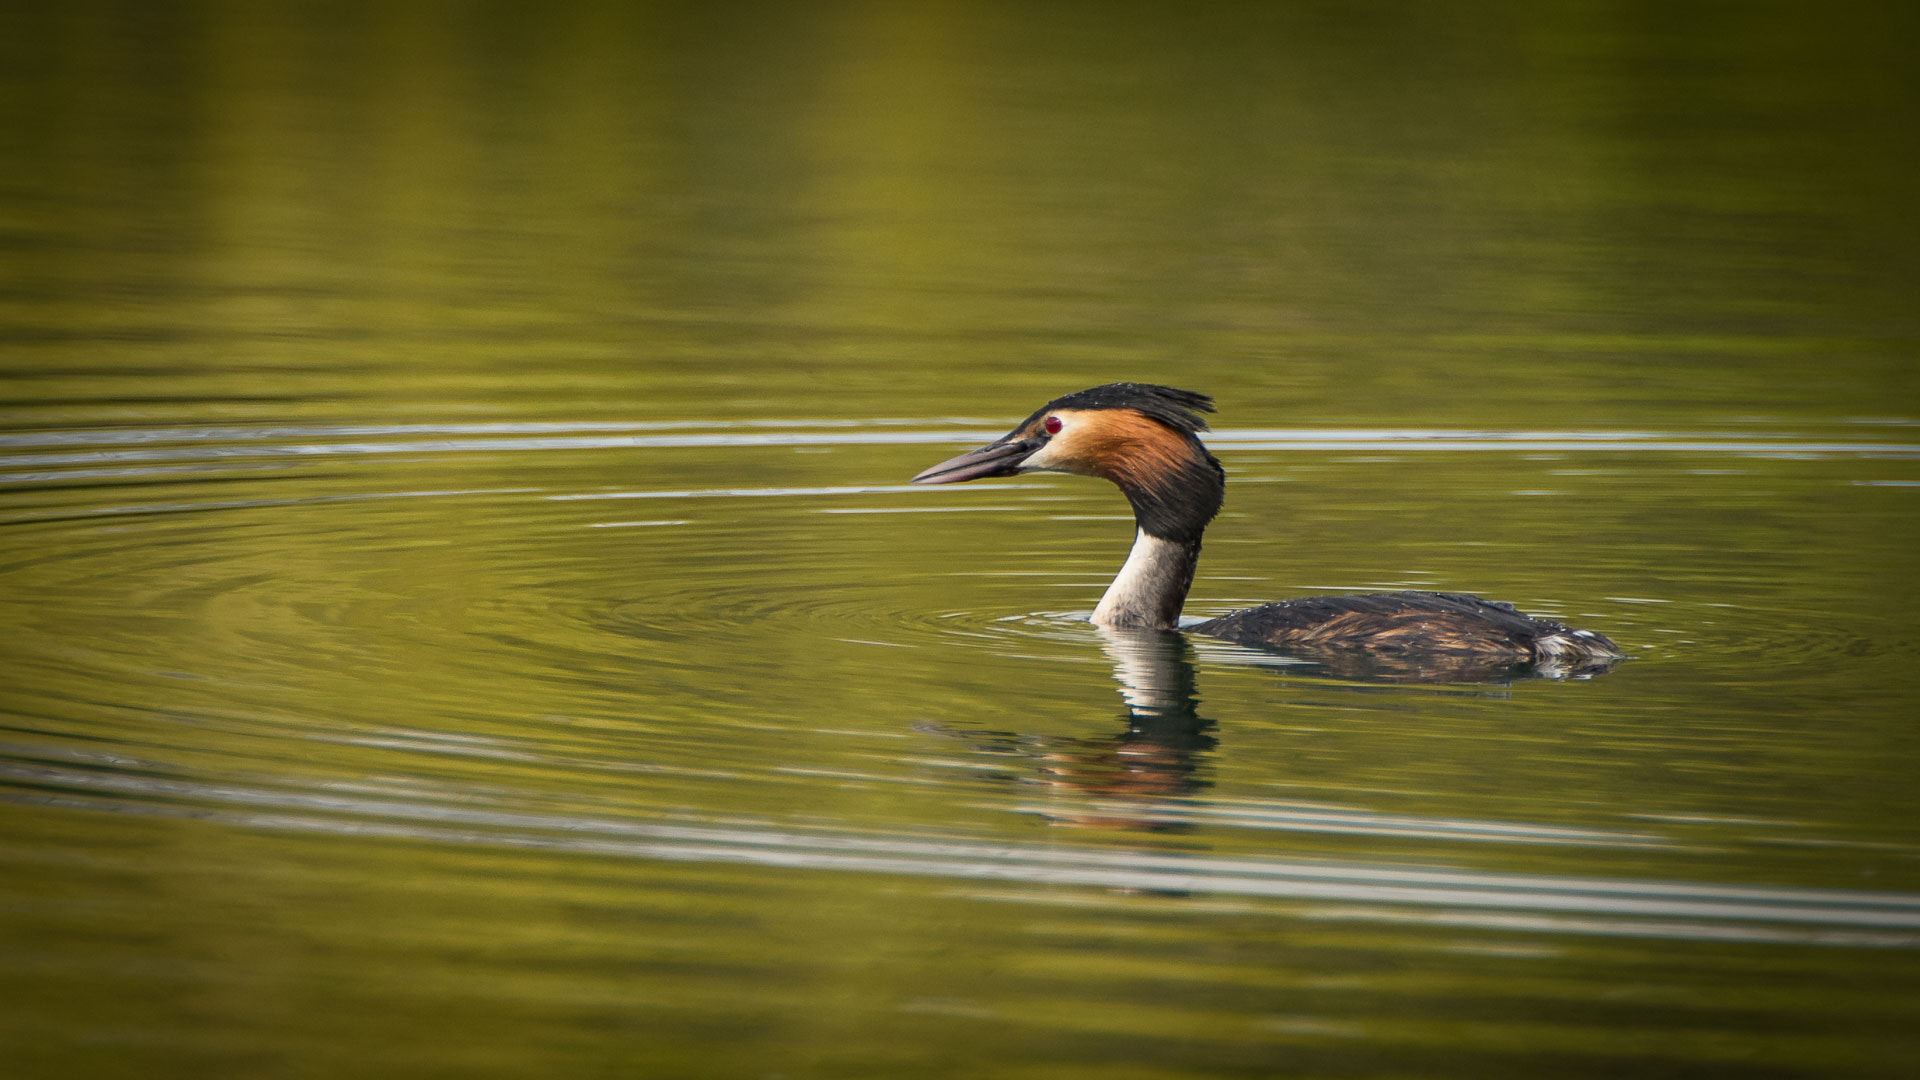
(1001, 458)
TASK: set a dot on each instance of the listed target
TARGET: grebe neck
(1153, 584)
(1175, 487)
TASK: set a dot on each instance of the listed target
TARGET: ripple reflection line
(961, 859)
(1533, 442)
(145, 509)
(768, 492)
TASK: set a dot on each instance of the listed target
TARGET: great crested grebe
(1145, 439)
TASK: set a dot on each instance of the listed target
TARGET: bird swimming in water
(1145, 439)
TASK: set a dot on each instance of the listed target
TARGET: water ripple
(122, 447)
(1530, 902)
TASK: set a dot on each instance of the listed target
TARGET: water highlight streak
(1510, 901)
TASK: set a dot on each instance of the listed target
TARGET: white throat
(1152, 585)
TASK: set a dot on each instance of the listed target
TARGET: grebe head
(1144, 438)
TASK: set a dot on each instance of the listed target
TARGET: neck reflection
(1118, 780)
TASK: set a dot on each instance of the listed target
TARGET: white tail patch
(1575, 645)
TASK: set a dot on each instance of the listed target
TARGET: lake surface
(464, 613)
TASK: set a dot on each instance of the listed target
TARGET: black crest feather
(1178, 409)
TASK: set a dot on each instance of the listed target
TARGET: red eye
(1052, 424)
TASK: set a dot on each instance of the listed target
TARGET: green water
(463, 613)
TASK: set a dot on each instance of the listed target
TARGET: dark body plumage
(1453, 633)
(1390, 622)
(1145, 439)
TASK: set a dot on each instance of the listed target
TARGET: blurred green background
(1481, 213)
